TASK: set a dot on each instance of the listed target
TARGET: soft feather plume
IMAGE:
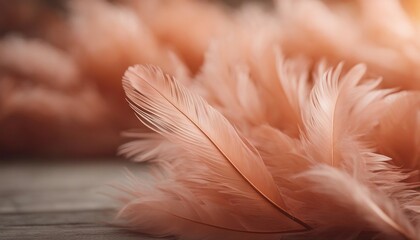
(222, 165)
(339, 114)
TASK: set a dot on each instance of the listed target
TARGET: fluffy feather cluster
(263, 143)
(264, 133)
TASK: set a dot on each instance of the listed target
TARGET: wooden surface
(61, 199)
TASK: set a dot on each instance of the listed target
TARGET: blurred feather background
(61, 64)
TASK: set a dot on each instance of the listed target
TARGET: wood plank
(61, 199)
(63, 225)
(60, 186)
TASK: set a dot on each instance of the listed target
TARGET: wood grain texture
(61, 199)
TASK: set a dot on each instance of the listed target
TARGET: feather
(218, 154)
(359, 203)
(339, 113)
